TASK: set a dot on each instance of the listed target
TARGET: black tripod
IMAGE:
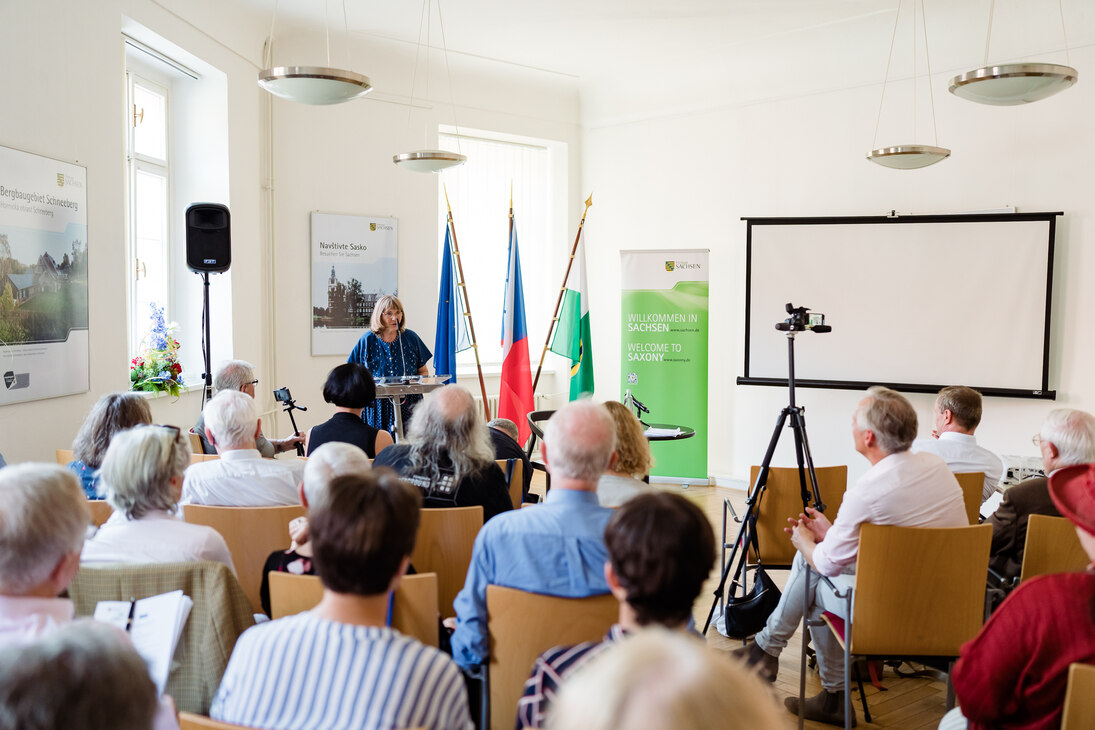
(805, 460)
(282, 396)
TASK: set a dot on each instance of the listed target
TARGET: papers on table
(154, 625)
(661, 432)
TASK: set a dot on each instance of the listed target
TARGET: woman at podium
(390, 350)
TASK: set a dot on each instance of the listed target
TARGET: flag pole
(562, 291)
(467, 305)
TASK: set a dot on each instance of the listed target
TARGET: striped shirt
(303, 672)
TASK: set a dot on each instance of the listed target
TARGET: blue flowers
(157, 368)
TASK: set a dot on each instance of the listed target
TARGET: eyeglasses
(253, 382)
(1036, 439)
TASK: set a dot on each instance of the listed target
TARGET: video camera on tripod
(801, 321)
(284, 397)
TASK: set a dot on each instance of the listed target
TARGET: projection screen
(915, 302)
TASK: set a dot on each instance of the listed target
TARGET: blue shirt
(556, 548)
(403, 356)
(89, 478)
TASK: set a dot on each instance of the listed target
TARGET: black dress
(345, 427)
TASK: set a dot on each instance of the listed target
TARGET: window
(176, 154)
(479, 192)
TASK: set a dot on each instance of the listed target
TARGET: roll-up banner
(663, 359)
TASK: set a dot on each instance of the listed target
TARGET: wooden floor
(906, 703)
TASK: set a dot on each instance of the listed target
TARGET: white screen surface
(915, 302)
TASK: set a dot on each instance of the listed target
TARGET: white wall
(64, 95)
(676, 178)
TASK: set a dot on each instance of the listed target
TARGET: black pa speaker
(208, 238)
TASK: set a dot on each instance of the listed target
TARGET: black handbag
(747, 614)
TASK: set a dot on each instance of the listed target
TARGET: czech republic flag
(515, 398)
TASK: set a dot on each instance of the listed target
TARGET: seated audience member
(142, 476)
(240, 477)
(900, 488)
(349, 388)
(112, 413)
(1067, 438)
(503, 435)
(338, 665)
(1014, 673)
(662, 680)
(661, 549)
(330, 460)
(957, 414)
(632, 460)
(240, 375)
(85, 676)
(448, 455)
(556, 547)
(43, 519)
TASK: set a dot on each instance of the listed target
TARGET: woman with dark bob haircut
(350, 389)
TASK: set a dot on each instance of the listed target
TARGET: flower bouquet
(157, 368)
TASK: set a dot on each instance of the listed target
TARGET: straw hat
(1073, 491)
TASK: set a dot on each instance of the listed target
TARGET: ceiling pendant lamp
(908, 156)
(1011, 84)
(318, 85)
(430, 160)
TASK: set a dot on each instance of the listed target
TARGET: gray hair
(233, 375)
(506, 426)
(579, 440)
(890, 417)
(84, 676)
(43, 517)
(447, 427)
(233, 418)
(1072, 432)
(332, 459)
(138, 468)
(112, 413)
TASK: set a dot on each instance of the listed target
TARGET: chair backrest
(195, 442)
(973, 486)
(783, 498)
(443, 546)
(414, 609)
(100, 511)
(252, 533)
(1051, 547)
(524, 625)
(63, 456)
(1079, 711)
(514, 469)
(919, 591)
(221, 612)
(200, 457)
(190, 721)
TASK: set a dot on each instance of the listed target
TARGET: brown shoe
(760, 661)
(827, 707)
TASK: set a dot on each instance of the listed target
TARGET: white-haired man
(900, 488)
(240, 477)
(240, 375)
(957, 415)
(448, 455)
(1067, 438)
(557, 547)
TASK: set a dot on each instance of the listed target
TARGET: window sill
(187, 388)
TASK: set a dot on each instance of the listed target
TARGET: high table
(395, 388)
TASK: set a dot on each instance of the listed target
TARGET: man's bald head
(578, 442)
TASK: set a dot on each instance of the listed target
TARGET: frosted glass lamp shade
(1013, 83)
(429, 160)
(314, 84)
(908, 156)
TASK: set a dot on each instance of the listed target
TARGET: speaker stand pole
(207, 393)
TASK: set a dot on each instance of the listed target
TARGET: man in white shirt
(957, 414)
(900, 488)
(240, 477)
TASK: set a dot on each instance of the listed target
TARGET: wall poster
(43, 277)
(354, 263)
(663, 359)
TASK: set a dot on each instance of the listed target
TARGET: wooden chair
(100, 511)
(190, 721)
(919, 592)
(443, 546)
(199, 457)
(516, 638)
(63, 456)
(195, 442)
(782, 499)
(973, 486)
(1051, 547)
(1079, 713)
(514, 470)
(252, 533)
(414, 608)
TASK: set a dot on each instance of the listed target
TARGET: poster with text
(354, 263)
(663, 360)
(43, 277)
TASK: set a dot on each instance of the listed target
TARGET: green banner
(663, 358)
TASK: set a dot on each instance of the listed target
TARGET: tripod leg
(800, 418)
